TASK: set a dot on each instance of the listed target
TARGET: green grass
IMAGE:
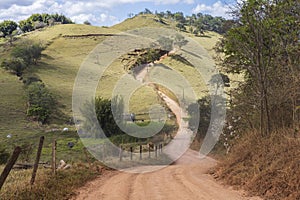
(141, 21)
(208, 41)
(58, 68)
(174, 83)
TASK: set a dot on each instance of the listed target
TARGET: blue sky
(107, 12)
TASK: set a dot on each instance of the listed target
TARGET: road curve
(185, 180)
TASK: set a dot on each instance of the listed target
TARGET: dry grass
(47, 186)
(269, 167)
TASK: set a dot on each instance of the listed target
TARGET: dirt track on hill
(185, 180)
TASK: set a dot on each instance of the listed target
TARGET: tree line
(23, 57)
(35, 21)
(264, 46)
(196, 23)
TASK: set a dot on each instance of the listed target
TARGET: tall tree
(254, 48)
(7, 27)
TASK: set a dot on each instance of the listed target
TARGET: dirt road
(185, 180)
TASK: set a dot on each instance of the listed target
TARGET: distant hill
(66, 48)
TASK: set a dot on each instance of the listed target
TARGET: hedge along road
(186, 179)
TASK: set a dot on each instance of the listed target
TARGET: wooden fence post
(9, 165)
(121, 153)
(149, 150)
(37, 160)
(131, 150)
(104, 150)
(54, 157)
(141, 151)
(87, 157)
(155, 151)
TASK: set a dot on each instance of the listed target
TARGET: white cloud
(189, 1)
(217, 9)
(103, 19)
(78, 11)
(97, 12)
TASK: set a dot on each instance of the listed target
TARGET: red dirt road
(185, 180)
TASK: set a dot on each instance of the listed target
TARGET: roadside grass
(47, 186)
(265, 166)
(29, 141)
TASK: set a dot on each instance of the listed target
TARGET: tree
(40, 102)
(130, 15)
(179, 17)
(166, 43)
(15, 65)
(220, 79)
(7, 27)
(147, 11)
(109, 113)
(179, 41)
(263, 46)
(29, 51)
(201, 114)
(181, 26)
(26, 26)
(86, 22)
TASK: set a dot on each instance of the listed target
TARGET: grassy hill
(67, 46)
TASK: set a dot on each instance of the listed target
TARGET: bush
(40, 102)
(30, 52)
(31, 79)
(22, 56)
(15, 65)
(104, 111)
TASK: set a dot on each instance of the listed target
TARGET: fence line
(37, 160)
(9, 165)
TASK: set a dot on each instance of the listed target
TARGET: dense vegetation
(24, 57)
(35, 21)
(263, 119)
(264, 46)
(196, 23)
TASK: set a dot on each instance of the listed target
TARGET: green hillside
(67, 46)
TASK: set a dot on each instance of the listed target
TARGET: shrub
(30, 52)
(104, 111)
(15, 65)
(40, 102)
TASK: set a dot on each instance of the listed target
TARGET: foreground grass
(47, 185)
(268, 167)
